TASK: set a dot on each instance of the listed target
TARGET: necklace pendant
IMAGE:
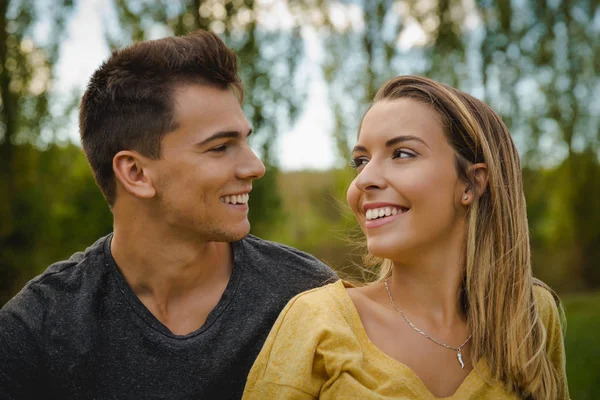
(460, 360)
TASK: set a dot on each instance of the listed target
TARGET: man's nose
(250, 167)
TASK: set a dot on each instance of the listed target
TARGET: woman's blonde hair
(497, 292)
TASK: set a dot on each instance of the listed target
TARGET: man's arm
(21, 362)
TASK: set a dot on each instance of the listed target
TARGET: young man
(177, 302)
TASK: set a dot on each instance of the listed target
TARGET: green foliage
(265, 212)
(25, 77)
(359, 62)
(565, 221)
(581, 344)
(59, 211)
(318, 220)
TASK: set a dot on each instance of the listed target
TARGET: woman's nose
(370, 177)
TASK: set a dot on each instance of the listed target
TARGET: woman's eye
(402, 153)
(358, 162)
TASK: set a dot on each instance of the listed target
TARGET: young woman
(456, 313)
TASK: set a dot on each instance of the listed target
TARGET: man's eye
(219, 149)
(358, 162)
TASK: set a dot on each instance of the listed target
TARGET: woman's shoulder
(547, 302)
(552, 317)
(322, 299)
(327, 308)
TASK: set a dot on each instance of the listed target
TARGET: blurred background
(311, 68)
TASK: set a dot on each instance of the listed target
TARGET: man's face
(204, 176)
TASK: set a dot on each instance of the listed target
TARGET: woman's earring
(466, 195)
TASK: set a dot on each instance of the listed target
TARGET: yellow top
(318, 348)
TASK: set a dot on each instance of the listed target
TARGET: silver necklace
(457, 349)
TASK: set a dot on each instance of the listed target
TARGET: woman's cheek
(352, 197)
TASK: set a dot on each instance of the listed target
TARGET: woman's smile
(378, 214)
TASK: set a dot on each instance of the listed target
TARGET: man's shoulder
(74, 268)
(278, 258)
(267, 248)
(58, 282)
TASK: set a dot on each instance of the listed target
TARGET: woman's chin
(393, 248)
(382, 250)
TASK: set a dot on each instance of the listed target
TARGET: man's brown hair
(128, 104)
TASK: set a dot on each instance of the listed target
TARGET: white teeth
(374, 213)
(236, 199)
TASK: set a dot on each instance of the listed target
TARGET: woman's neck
(430, 285)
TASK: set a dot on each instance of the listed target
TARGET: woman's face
(406, 196)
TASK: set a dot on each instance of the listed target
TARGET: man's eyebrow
(391, 142)
(223, 135)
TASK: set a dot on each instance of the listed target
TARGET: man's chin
(239, 236)
(234, 235)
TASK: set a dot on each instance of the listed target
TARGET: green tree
(359, 60)
(37, 179)
(539, 69)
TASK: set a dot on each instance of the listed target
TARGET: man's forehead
(207, 102)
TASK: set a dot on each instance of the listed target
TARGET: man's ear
(129, 170)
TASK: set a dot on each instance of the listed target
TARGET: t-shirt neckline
(145, 315)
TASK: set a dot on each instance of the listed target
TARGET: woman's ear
(130, 173)
(479, 177)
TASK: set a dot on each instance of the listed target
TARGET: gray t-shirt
(79, 332)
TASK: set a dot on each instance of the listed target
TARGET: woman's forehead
(405, 116)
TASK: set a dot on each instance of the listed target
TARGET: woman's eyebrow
(359, 149)
(391, 142)
(404, 138)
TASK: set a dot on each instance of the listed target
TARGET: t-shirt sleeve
(20, 357)
(551, 318)
(289, 365)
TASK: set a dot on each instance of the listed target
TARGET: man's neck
(173, 278)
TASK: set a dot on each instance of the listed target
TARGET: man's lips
(236, 198)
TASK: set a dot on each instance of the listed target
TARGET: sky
(84, 49)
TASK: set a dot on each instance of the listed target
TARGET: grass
(582, 343)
